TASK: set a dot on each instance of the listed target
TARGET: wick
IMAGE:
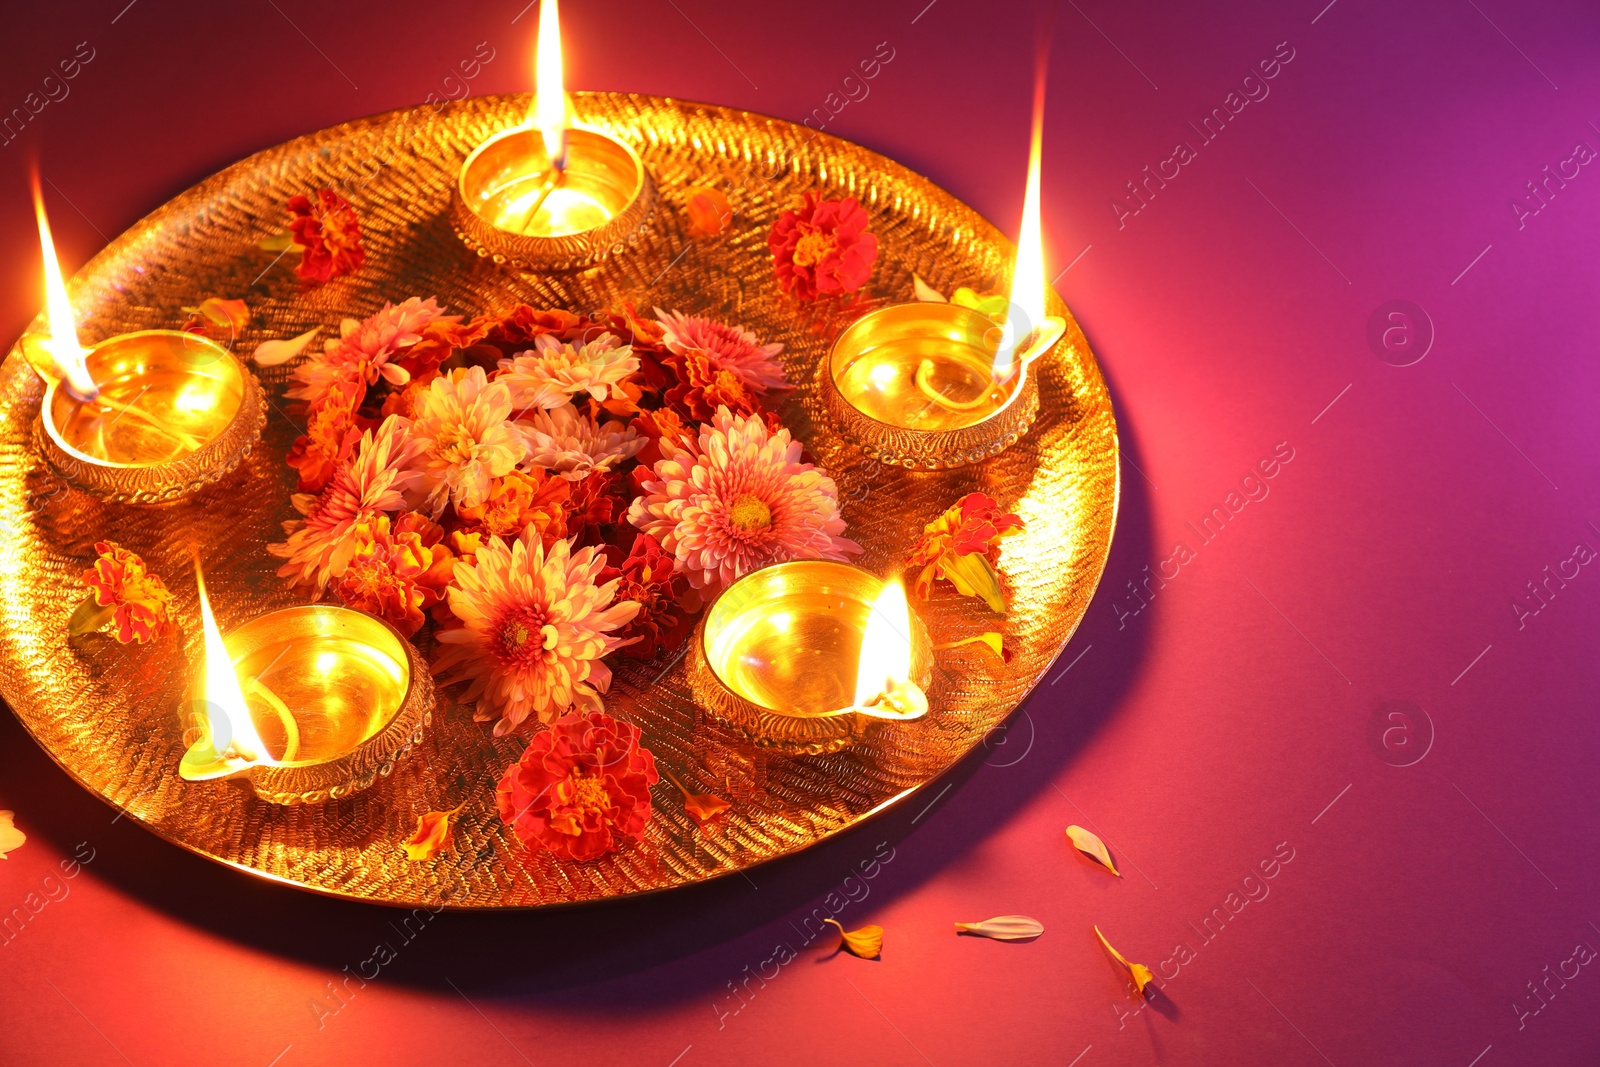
(103, 401)
(553, 178)
(291, 729)
(924, 382)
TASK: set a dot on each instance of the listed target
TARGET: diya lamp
(805, 656)
(551, 194)
(932, 385)
(142, 417)
(308, 703)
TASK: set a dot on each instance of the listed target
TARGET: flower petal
(1138, 972)
(11, 838)
(926, 292)
(866, 942)
(272, 353)
(1091, 845)
(1004, 928)
(432, 835)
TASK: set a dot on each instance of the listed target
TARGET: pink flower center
(813, 248)
(750, 513)
(520, 639)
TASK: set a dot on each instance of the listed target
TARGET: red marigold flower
(649, 579)
(140, 602)
(581, 788)
(332, 433)
(329, 235)
(397, 574)
(963, 546)
(516, 500)
(703, 387)
(594, 503)
(822, 249)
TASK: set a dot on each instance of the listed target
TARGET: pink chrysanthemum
(464, 438)
(740, 499)
(534, 626)
(375, 480)
(730, 348)
(363, 351)
(574, 445)
(555, 372)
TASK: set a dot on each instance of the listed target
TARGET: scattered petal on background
(702, 807)
(1004, 928)
(433, 835)
(990, 639)
(1091, 845)
(927, 292)
(11, 838)
(1137, 971)
(233, 315)
(866, 942)
(709, 210)
(278, 242)
(272, 353)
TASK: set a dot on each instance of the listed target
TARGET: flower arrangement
(533, 493)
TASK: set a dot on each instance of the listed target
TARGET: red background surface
(1198, 735)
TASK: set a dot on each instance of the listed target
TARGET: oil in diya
(141, 417)
(803, 656)
(551, 194)
(933, 385)
(307, 703)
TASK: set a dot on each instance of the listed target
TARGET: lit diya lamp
(139, 418)
(551, 194)
(308, 703)
(933, 385)
(804, 656)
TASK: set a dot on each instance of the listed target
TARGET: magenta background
(1196, 737)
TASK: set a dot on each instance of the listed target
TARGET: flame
(550, 99)
(1028, 287)
(885, 661)
(233, 732)
(62, 346)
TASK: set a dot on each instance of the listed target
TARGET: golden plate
(110, 715)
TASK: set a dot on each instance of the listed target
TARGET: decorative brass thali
(110, 714)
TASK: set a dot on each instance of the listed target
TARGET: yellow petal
(990, 639)
(1004, 928)
(432, 836)
(1137, 971)
(1091, 845)
(272, 353)
(866, 942)
(926, 292)
(11, 838)
(974, 575)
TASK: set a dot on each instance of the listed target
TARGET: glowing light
(1028, 286)
(885, 662)
(233, 731)
(62, 346)
(550, 99)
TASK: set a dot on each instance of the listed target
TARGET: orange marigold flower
(516, 500)
(332, 432)
(962, 546)
(140, 602)
(397, 573)
(329, 235)
(647, 338)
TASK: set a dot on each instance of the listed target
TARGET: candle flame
(885, 661)
(63, 348)
(233, 732)
(550, 98)
(1028, 287)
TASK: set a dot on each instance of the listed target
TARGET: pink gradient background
(1196, 735)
